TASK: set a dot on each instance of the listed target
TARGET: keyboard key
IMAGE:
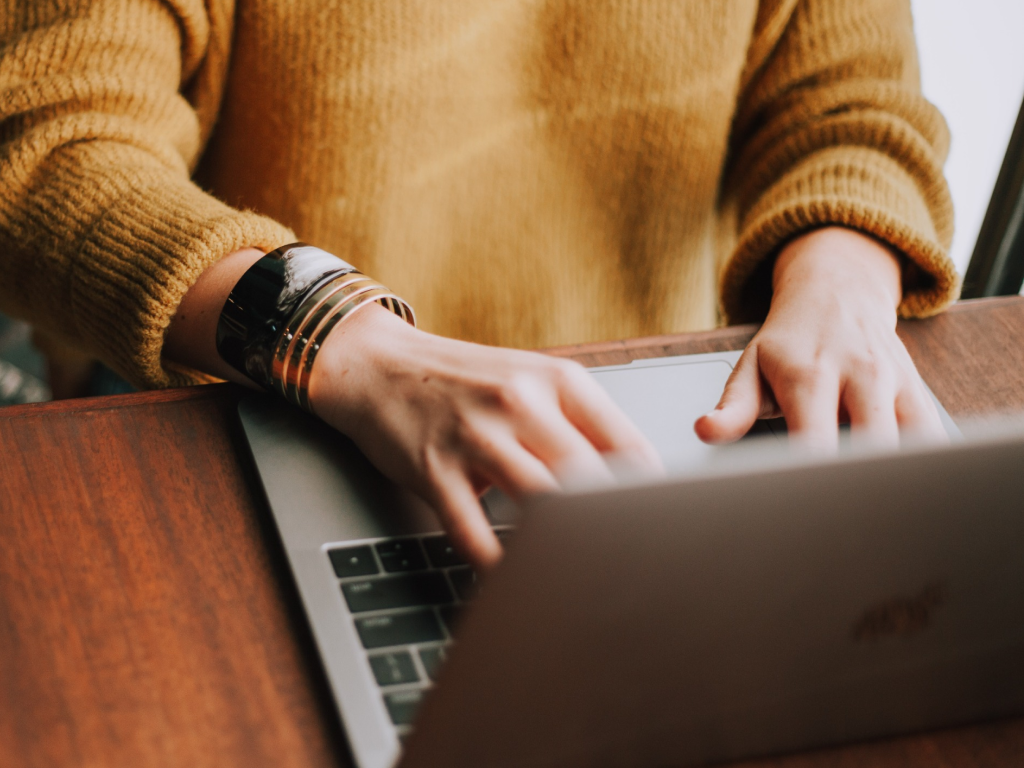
(401, 555)
(402, 706)
(399, 629)
(394, 668)
(407, 591)
(441, 552)
(450, 615)
(465, 583)
(353, 561)
(432, 659)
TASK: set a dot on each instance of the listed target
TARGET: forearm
(834, 131)
(191, 339)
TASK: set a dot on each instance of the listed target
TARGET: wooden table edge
(722, 339)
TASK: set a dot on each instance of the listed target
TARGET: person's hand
(449, 419)
(446, 418)
(828, 350)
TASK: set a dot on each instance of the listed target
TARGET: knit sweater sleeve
(104, 106)
(832, 129)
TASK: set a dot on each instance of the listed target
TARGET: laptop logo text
(900, 616)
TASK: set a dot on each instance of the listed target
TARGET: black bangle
(264, 299)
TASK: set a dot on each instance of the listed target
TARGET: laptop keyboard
(405, 596)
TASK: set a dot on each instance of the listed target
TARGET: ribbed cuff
(852, 187)
(148, 249)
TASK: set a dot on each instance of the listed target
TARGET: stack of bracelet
(281, 310)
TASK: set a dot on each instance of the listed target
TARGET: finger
(870, 404)
(452, 497)
(599, 419)
(549, 436)
(504, 463)
(743, 402)
(916, 413)
(809, 400)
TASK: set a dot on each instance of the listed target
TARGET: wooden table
(148, 618)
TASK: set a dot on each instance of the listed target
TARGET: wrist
(191, 337)
(838, 261)
(279, 315)
(350, 362)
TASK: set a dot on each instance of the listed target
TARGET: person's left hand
(828, 350)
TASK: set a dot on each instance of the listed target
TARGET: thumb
(743, 402)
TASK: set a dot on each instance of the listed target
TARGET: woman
(523, 173)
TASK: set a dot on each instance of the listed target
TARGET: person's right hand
(448, 419)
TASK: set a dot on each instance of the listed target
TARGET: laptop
(740, 607)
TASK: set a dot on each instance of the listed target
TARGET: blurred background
(21, 366)
(972, 68)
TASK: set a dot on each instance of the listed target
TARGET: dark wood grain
(973, 356)
(147, 616)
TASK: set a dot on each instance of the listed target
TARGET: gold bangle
(298, 318)
(299, 393)
(379, 295)
(290, 351)
(310, 328)
(306, 329)
(281, 310)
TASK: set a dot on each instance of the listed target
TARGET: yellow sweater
(524, 172)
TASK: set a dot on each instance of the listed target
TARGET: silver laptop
(742, 608)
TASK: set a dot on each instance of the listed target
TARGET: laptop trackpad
(665, 400)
